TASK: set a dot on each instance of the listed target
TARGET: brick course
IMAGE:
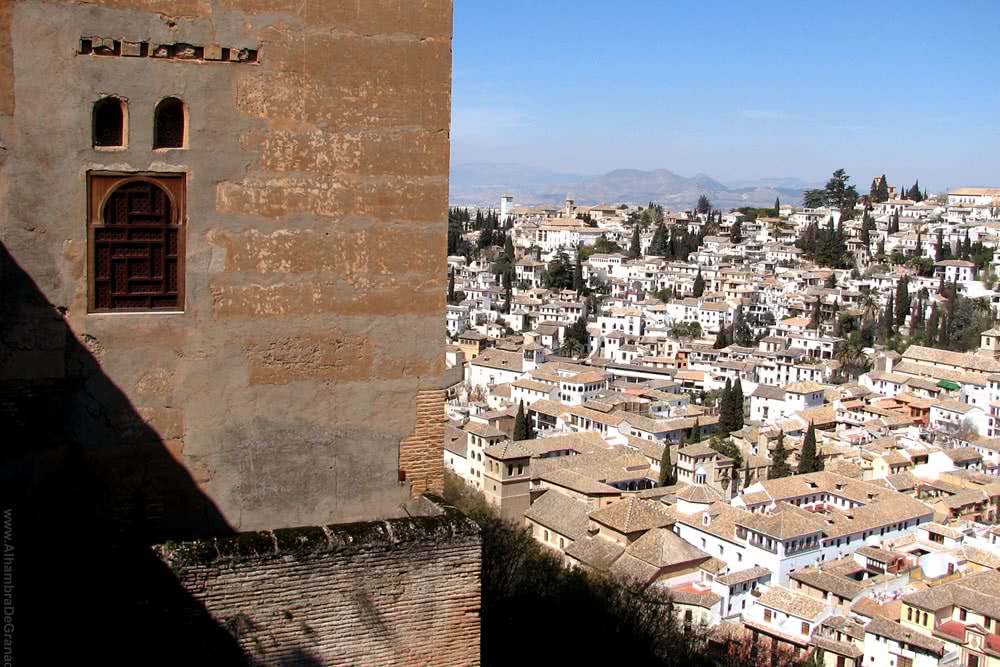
(397, 592)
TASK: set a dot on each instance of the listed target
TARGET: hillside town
(789, 416)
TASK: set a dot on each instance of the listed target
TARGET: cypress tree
(699, 285)
(939, 246)
(747, 481)
(966, 246)
(888, 319)
(808, 461)
(736, 232)
(451, 287)
(902, 301)
(520, 424)
(932, 326)
(635, 247)
(779, 461)
(668, 476)
(736, 398)
(695, 434)
(721, 338)
(724, 406)
(578, 272)
(777, 207)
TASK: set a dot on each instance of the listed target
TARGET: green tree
(520, 424)
(902, 301)
(668, 475)
(559, 274)
(578, 332)
(451, 287)
(838, 194)
(777, 207)
(635, 247)
(721, 338)
(578, 283)
(808, 459)
(736, 406)
(779, 460)
(736, 232)
(704, 206)
(660, 244)
(695, 434)
(742, 333)
(571, 348)
(699, 285)
(888, 320)
(725, 400)
(880, 190)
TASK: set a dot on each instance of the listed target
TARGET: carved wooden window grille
(136, 242)
(168, 124)
(109, 122)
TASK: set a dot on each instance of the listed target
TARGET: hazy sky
(735, 89)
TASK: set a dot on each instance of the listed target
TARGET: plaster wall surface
(309, 347)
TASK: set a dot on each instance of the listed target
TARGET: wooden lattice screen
(137, 245)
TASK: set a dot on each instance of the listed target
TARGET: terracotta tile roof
(632, 514)
(662, 548)
(784, 523)
(750, 574)
(507, 451)
(574, 481)
(556, 511)
(838, 585)
(792, 603)
(979, 593)
(883, 627)
(483, 430)
(959, 359)
(699, 494)
(500, 359)
(595, 552)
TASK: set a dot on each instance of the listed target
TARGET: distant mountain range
(482, 184)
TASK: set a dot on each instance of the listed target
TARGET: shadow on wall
(88, 486)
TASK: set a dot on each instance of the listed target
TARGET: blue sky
(737, 90)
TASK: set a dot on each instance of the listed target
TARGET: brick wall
(397, 592)
(421, 455)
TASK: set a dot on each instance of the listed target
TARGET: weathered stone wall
(397, 592)
(310, 346)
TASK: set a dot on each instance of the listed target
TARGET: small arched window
(168, 124)
(109, 122)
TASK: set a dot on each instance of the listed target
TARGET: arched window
(137, 243)
(168, 124)
(109, 122)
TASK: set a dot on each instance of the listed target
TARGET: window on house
(962, 614)
(805, 628)
(136, 234)
(169, 124)
(767, 615)
(546, 536)
(109, 123)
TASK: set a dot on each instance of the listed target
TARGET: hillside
(482, 184)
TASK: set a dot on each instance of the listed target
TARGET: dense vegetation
(534, 609)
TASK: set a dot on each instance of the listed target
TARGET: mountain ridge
(482, 184)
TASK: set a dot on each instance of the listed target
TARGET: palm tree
(571, 348)
(853, 360)
(870, 307)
